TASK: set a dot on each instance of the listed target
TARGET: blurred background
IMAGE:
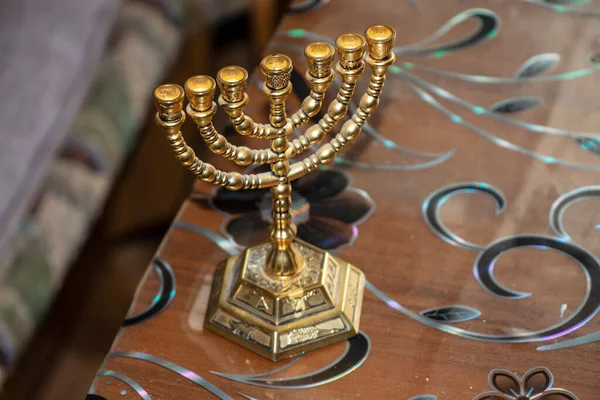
(88, 186)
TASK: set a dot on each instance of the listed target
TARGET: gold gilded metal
(285, 296)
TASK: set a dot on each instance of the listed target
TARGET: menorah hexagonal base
(279, 318)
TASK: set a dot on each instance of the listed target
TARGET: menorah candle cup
(351, 48)
(169, 101)
(232, 82)
(319, 57)
(380, 39)
(277, 69)
(285, 296)
(200, 91)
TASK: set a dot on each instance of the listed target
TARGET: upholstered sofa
(75, 85)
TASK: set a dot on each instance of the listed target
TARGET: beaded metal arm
(286, 296)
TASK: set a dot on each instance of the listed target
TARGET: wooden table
(473, 217)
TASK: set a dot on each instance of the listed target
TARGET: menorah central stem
(283, 259)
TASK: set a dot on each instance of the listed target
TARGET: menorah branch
(218, 144)
(200, 91)
(243, 124)
(319, 75)
(351, 48)
(351, 128)
(170, 117)
(232, 82)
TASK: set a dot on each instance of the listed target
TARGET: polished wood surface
(400, 254)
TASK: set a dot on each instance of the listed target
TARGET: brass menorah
(286, 296)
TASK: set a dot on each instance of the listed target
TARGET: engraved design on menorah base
(283, 297)
(275, 319)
